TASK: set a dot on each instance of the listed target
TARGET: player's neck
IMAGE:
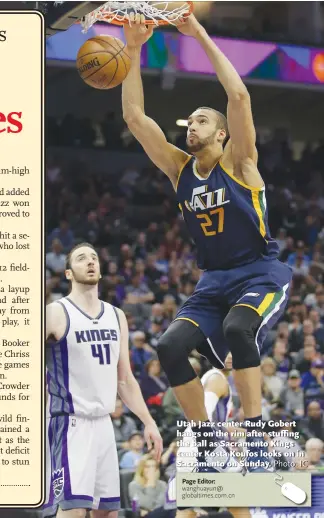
(85, 296)
(207, 158)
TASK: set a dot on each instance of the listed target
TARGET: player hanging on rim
(243, 289)
(87, 364)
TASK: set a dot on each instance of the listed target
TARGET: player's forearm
(130, 393)
(132, 89)
(226, 73)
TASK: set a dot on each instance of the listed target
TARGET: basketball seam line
(122, 58)
(122, 48)
(98, 70)
(106, 42)
(96, 52)
(113, 77)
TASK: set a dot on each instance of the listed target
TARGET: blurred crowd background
(101, 188)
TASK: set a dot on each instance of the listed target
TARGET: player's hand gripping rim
(153, 440)
(136, 32)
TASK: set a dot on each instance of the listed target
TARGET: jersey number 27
(207, 224)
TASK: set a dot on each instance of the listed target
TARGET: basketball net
(155, 13)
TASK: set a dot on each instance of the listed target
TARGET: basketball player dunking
(243, 288)
(87, 364)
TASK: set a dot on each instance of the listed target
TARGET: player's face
(85, 266)
(202, 130)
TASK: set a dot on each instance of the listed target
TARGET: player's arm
(130, 392)
(240, 153)
(164, 155)
(55, 321)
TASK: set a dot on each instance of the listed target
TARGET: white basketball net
(117, 11)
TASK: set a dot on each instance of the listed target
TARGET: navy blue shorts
(262, 285)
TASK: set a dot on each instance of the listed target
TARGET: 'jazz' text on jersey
(203, 199)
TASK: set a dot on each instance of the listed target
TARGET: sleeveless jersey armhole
(181, 170)
(67, 328)
(117, 316)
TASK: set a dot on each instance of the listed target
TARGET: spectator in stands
(138, 292)
(147, 488)
(292, 396)
(124, 426)
(55, 260)
(132, 457)
(169, 307)
(315, 318)
(319, 304)
(314, 379)
(273, 382)
(281, 358)
(153, 383)
(299, 261)
(314, 451)
(169, 458)
(298, 335)
(313, 424)
(139, 352)
(155, 331)
(307, 355)
(162, 290)
(64, 234)
(151, 272)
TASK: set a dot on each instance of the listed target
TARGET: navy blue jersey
(226, 219)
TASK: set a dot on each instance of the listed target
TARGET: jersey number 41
(101, 351)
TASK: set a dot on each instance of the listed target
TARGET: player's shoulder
(56, 308)
(120, 315)
(57, 320)
(180, 160)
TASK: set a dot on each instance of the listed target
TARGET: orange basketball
(103, 62)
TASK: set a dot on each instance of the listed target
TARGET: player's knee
(173, 351)
(72, 513)
(169, 350)
(240, 327)
(103, 513)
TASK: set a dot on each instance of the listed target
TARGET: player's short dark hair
(68, 257)
(221, 119)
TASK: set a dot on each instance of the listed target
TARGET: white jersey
(224, 405)
(82, 366)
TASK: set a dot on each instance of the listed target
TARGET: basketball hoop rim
(106, 18)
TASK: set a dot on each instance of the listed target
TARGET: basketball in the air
(103, 62)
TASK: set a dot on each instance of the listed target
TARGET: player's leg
(72, 474)
(71, 513)
(107, 484)
(259, 294)
(197, 320)
(174, 348)
(101, 513)
(240, 328)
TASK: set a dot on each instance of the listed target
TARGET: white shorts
(82, 468)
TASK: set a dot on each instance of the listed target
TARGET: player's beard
(201, 143)
(86, 281)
